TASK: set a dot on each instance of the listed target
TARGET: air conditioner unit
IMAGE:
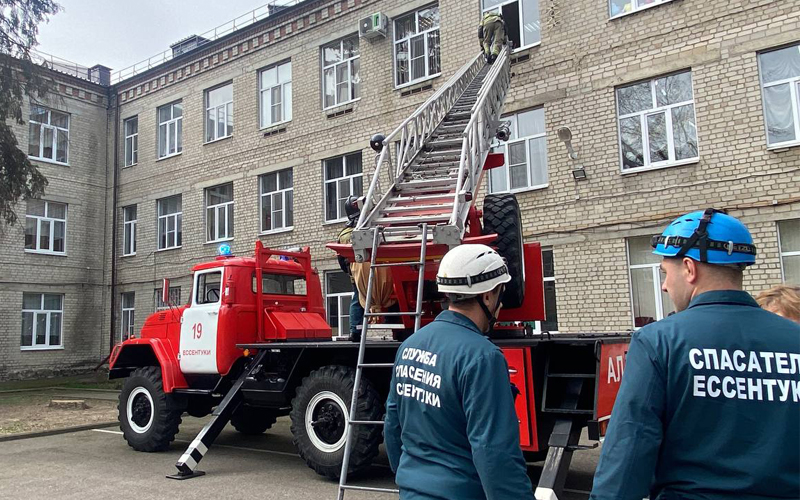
(374, 26)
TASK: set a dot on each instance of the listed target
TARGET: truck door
(198, 349)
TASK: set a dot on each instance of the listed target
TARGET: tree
(20, 76)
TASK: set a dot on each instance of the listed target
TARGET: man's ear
(690, 269)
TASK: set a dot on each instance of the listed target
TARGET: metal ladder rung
(391, 313)
(413, 208)
(397, 264)
(376, 365)
(387, 326)
(369, 488)
(366, 422)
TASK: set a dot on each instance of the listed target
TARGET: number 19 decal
(197, 330)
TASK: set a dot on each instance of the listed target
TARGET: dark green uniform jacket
(451, 430)
(709, 407)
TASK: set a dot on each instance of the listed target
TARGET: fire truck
(254, 344)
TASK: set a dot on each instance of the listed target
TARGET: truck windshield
(281, 284)
(208, 285)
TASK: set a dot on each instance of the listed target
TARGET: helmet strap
(700, 236)
(490, 315)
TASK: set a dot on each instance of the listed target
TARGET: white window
(128, 325)
(170, 129)
(550, 324)
(276, 94)
(219, 213)
(416, 46)
(340, 78)
(649, 302)
(219, 112)
(48, 135)
(42, 316)
(525, 154)
(170, 222)
(521, 19)
(174, 298)
(342, 179)
(46, 227)
(657, 126)
(789, 234)
(338, 294)
(131, 127)
(780, 82)
(129, 230)
(622, 7)
(277, 201)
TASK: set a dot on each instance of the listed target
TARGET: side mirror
(165, 291)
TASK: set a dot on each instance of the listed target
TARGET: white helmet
(470, 270)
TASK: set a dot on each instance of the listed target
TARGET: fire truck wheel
(501, 215)
(319, 415)
(146, 420)
(252, 421)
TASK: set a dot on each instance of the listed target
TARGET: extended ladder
(417, 314)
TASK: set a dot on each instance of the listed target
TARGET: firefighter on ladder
(709, 406)
(451, 430)
(492, 35)
(353, 211)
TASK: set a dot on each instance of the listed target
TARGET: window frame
(344, 308)
(178, 224)
(227, 206)
(527, 140)
(349, 62)
(657, 280)
(794, 93)
(52, 221)
(655, 3)
(499, 6)
(228, 114)
(129, 230)
(133, 139)
(655, 110)
(537, 325)
(196, 289)
(262, 92)
(395, 43)
(55, 129)
(127, 319)
(791, 253)
(178, 136)
(342, 217)
(46, 346)
(283, 193)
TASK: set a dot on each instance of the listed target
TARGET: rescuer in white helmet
(451, 430)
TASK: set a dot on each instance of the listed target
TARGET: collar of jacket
(737, 297)
(458, 319)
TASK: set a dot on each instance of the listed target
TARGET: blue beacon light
(225, 250)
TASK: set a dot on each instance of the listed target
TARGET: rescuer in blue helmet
(709, 406)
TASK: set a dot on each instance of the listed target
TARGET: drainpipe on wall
(114, 226)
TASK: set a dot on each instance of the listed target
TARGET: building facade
(673, 105)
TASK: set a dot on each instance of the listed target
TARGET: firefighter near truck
(254, 344)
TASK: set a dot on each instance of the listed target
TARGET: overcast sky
(118, 33)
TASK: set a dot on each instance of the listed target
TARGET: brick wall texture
(583, 56)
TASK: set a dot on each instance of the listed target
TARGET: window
(131, 127)
(129, 230)
(521, 17)
(657, 123)
(170, 220)
(550, 324)
(219, 212)
(174, 298)
(48, 135)
(338, 294)
(277, 201)
(342, 179)
(219, 112)
(525, 155)
(649, 302)
(208, 285)
(42, 316)
(789, 235)
(276, 94)
(128, 328)
(46, 227)
(780, 85)
(416, 46)
(170, 129)
(281, 284)
(622, 7)
(340, 79)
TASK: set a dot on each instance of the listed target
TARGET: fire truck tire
(253, 421)
(319, 413)
(145, 417)
(501, 215)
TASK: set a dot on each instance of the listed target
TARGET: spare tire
(501, 215)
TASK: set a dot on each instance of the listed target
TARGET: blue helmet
(710, 236)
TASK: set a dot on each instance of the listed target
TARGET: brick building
(673, 106)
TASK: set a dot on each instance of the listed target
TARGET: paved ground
(98, 464)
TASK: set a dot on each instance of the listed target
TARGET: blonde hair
(783, 300)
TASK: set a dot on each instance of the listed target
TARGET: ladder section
(353, 421)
